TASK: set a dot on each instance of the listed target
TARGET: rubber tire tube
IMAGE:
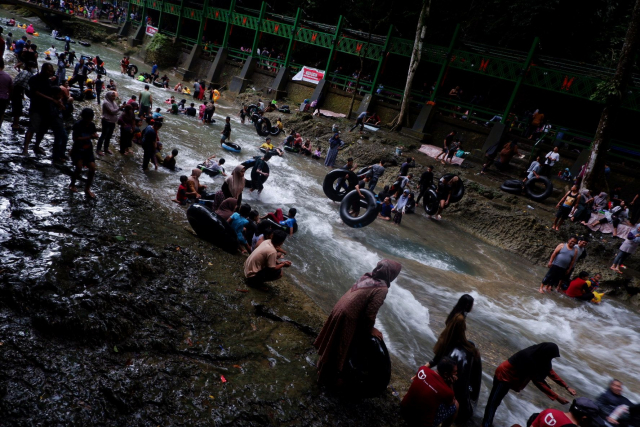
(364, 171)
(363, 220)
(248, 169)
(539, 197)
(209, 226)
(431, 202)
(263, 127)
(208, 171)
(329, 184)
(231, 146)
(133, 67)
(512, 183)
(251, 109)
(511, 190)
(275, 131)
(456, 195)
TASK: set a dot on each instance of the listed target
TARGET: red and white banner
(310, 75)
(151, 30)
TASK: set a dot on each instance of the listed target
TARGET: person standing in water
(560, 264)
(351, 320)
(531, 364)
(226, 132)
(453, 343)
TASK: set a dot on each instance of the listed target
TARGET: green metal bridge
(564, 77)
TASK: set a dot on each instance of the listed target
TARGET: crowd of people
(86, 9)
(447, 388)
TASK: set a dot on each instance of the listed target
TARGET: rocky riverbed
(111, 311)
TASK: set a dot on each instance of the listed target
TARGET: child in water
(239, 221)
(181, 195)
(291, 222)
(137, 132)
(317, 154)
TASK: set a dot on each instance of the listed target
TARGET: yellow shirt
(280, 125)
(267, 146)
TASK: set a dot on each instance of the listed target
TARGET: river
(440, 263)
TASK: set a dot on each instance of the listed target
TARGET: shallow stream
(440, 262)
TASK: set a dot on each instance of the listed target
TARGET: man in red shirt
(579, 288)
(583, 413)
(430, 399)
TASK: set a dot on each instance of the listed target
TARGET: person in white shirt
(551, 159)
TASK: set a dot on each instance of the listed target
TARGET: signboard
(151, 30)
(310, 75)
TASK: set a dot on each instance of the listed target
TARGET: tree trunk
(594, 178)
(415, 62)
(355, 91)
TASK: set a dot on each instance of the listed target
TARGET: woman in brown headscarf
(227, 208)
(193, 183)
(234, 184)
(353, 317)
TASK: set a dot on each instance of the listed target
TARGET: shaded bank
(112, 312)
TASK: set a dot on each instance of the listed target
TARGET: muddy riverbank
(113, 312)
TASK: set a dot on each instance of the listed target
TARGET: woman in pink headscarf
(352, 318)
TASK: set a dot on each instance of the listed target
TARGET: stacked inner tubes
(263, 126)
(329, 184)
(209, 226)
(515, 186)
(349, 196)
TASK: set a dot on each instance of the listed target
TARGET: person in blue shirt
(154, 69)
(238, 222)
(19, 46)
(385, 209)
(291, 221)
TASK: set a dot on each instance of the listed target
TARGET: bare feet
(89, 194)
(73, 188)
(99, 153)
(541, 290)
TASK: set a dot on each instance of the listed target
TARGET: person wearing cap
(582, 413)
(533, 364)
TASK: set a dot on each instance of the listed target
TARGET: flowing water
(440, 263)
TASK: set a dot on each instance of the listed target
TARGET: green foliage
(605, 91)
(162, 50)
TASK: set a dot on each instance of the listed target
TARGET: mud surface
(111, 314)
